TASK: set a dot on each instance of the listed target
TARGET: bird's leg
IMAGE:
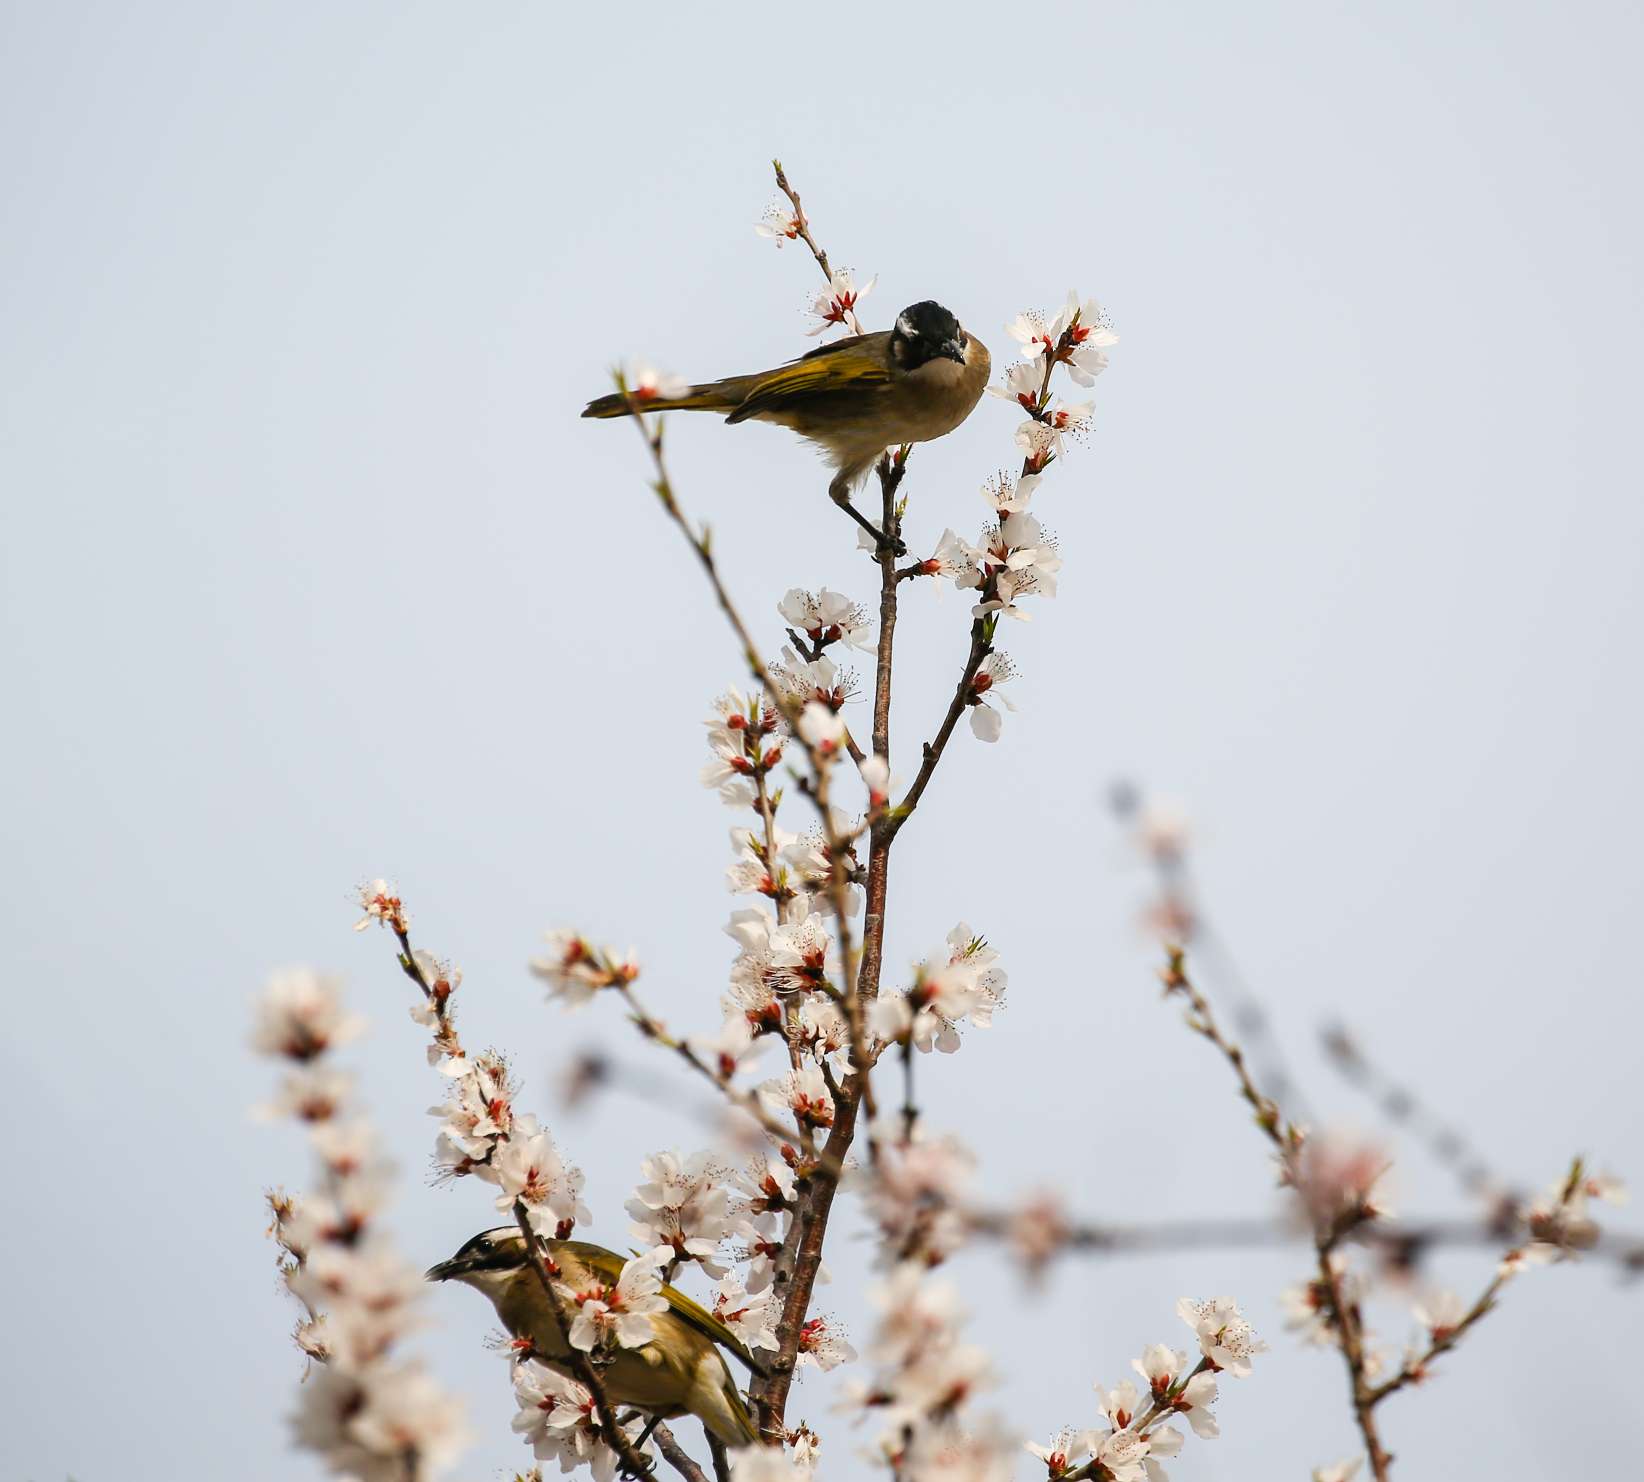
(645, 1435)
(716, 1449)
(840, 492)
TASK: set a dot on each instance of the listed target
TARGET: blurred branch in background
(1159, 829)
(1402, 1107)
(1042, 1229)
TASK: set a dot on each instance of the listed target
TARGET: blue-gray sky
(311, 573)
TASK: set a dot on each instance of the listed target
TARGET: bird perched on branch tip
(854, 397)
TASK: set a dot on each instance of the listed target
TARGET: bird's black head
(502, 1249)
(926, 331)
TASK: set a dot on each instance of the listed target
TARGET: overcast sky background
(311, 573)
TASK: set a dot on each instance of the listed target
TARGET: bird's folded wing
(851, 365)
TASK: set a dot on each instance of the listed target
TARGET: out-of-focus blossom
(1341, 1179)
(1341, 1471)
(875, 772)
(381, 904)
(822, 730)
(767, 1464)
(301, 1015)
(574, 969)
(802, 1093)
(646, 384)
(914, 1198)
(1309, 1307)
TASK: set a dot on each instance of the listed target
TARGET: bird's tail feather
(713, 396)
(747, 1431)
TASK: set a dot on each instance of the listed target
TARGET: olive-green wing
(855, 365)
(609, 1266)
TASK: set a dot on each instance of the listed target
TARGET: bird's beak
(954, 350)
(444, 1271)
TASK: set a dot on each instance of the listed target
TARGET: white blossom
(558, 1418)
(1023, 382)
(1225, 1338)
(753, 1318)
(778, 223)
(836, 304)
(1032, 334)
(528, 1167)
(683, 1205)
(995, 670)
(826, 617)
(621, 1313)
(477, 1113)
(822, 1342)
(1089, 336)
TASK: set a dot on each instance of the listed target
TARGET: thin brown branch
(801, 221)
(676, 1455)
(1439, 1344)
(1349, 1328)
(980, 647)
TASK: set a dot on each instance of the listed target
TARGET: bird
(853, 397)
(680, 1372)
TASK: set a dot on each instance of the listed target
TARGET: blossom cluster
(962, 983)
(925, 1381)
(371, 1415)
(480, 1133)
(1015, 556)
(1135, 1437)
(558, 1419)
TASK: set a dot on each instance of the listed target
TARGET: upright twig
(629, 1459)
(802, 225)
